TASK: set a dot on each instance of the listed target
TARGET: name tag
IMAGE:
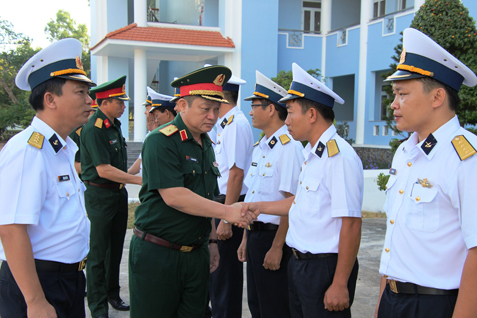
(254, 164)
(63, 178)
(191, 159)
(112, 142)
(392, 171)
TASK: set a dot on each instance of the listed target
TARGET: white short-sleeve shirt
(329, 188)
(431, 210)
(40, 188)
(274, 170)
(234, 145)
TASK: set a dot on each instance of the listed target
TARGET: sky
(31, 16)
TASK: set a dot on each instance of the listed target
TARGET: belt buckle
(248, 227)
(392, 286)
(82, 265)
(295, 253)
(186, 249)
(121, 186)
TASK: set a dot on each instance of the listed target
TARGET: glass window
(379, 8)
(311, 16)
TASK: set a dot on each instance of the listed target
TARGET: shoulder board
(256, 144)
(78, 131)
(99, 123)
(284, 139)
(332, 148)
(463, 147)
(231, 119)
(169, 130)
(36, 140)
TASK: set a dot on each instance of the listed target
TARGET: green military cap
(94, 105)
(112, 89)
(207, 82)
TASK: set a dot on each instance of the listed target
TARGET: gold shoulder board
(231, 119)
(463, 147)
(78, 131)
(36, 140)
(332, 148)
(284, 139)
(99, 123)
(256, 144)
(169, 130)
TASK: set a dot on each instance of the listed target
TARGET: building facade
(350, 41)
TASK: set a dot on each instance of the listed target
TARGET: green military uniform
(75, 136)
(163, 280)
(102, 143)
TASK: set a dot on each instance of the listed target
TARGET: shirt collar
(226, 117)
(265, 143)
(52, 139)
(101, 115)
(324, 138)
(184, 131)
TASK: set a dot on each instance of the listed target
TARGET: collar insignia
(183, 134)
(319, 149)
(223, 123)
(428, 144)
(55, 143)
(107, 124)
(272, 142)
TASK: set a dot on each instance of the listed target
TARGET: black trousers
(226, 282)
(308, 281)
(63, 290)
(415, 306)
(267, 290)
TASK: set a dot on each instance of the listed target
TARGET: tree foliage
(284, 79)
(65, 27)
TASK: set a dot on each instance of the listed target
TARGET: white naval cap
(60, 59)
(159, 100)
(233, 83)
(422, 57)
(306, 86)
(268, 89)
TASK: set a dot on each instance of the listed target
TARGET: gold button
(300, 182)
(305, 163)
(294, 202)
(386, 187)
(307, 188)
(67, 194)
(264, 174)
(253, 191)
(206, 172)
(193, 171)
(392, 221)
(251, 174)
(208, 193)
(418, 199)
(263, 156)
(401, 191)
(387, 250)
(219, 135)
(409, 164)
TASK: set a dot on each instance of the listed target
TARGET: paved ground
(368, 280)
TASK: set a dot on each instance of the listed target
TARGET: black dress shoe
(118, 304)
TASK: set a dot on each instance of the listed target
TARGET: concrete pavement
(367, 289)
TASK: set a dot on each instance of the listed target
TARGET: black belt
(106, 185)
(51, 266)
(410, 288)
(301, 256)
(221, 198)
(260, 226)
(161, 242)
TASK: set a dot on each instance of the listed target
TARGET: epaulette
(332, 148)
(284, 139)
(169, 130)
(36, 140)
(463, 147)
(99, 123)
(78, 131)
(231, 119)
(256, 144)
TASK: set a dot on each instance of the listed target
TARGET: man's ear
(312, 114)
(439, 97)
(182, 104)
(49, 100)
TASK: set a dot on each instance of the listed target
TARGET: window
(379, 8)
(385, 130)
(311, 16)
(376, 130)
(384, 102)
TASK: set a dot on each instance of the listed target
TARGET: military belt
(301, 256)
(410, 288)
(51, 266)
(260, 226)
(106, 185)
(158, 241)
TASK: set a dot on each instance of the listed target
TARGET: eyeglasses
(256, 105)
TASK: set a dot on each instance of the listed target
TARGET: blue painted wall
(289, 15)
(117, 16)
(345, 13)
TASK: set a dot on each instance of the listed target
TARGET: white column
(366, 14)
(140, 12)
(140, 83)
(418, 4)
(325, 28)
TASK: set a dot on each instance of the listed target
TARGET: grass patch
(132, 208)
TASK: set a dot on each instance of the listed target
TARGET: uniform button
(218, 142)
(387, 250)
(193, 171)
(300, 182)
(307, 188)
(263, 156)
(305, 163)
(264, 174)
(206, 172)
(219, 135)
(401, 191)
(392, 221)
(253, 192)
(294, 202)
(251, 174)
(418, 199)
(208, 193)
(409, 164)
(67, 194)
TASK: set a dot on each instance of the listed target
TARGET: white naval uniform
(274, 170)
(430, 228)
(40, 188)
(329, 188)
(234, 145)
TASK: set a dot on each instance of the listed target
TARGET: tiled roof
(169, 35)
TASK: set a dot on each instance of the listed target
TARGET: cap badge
(124, 89)
(403, 56)
(79, 65)
(219, 80)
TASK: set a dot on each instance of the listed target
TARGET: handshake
(242, 214)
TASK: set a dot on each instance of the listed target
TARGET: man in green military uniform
(103, 165)
(169, 261)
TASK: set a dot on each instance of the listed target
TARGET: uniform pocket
(309, 188)
(423, 214)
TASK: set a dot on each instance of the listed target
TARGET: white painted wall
(373, 199)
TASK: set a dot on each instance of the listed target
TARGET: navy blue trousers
(308, 281)
(63, 290)
(415, 306)
(267, 290)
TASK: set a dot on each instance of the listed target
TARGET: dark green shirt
(101, 143)
(173, 161)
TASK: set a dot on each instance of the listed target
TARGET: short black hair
(54, 86)
(282, 111)
(326, 112)
(169, 108)
(100, 101)
(231, 96)
(453, 96)
(190, 99)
